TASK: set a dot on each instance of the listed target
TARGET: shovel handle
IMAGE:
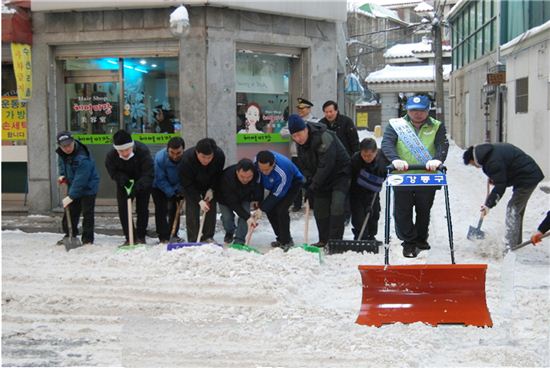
(130, 222)
(201, 225)
(480, 222)
(176, 217)
(527, 242)
(306, 225)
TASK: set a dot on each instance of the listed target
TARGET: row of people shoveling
(323, 169)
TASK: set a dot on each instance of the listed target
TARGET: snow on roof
(416, 73)
(395, 2)
(423, 7)
(524, 36)
(405, 50)
(377, 11)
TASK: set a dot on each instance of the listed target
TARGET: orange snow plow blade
(433, 294)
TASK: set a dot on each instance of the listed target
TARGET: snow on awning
(423, 7)
(416, 73)
(406, 50)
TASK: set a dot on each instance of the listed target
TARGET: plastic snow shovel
(70, 242)
(527, 242)
(475, 233)
(172, 246)
(246, 247)
(305, 246)
(370, 246)
(429, 293)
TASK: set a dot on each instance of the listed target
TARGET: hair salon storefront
(234, 76)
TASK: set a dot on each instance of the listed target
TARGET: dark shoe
(141, 241)
(87, 243)
(374, 240)
(287, 246)
(125, 244)
(207, 240)
(228, 238)
(319, 244)
(276, 244)
(409, 250)
(423, 245)
(62, 240)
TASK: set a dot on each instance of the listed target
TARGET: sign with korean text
(22, 67)
(14, 119)
(146, 138)
(417, 180)
(496, 78)
(261, 138)
(362, 120)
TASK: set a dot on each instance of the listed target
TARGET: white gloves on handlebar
(432, 165)
(400, 165)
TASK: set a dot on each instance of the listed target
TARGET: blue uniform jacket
(279, 180)
(166, 174)
(79, 169)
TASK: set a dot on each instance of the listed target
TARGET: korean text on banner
(22, 66)
(14, 120)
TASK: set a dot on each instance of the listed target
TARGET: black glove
(178, 196)
(309, 194)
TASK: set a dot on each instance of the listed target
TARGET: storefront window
(145, 103)
(262, 97)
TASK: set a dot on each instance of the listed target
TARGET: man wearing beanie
(77, 170)
(130, 160)
(200, 171)
(326, 166)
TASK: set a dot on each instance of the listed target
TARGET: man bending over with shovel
(77, 170)
(282, 178)
(200, 171)
(237, 189)
(506, 166)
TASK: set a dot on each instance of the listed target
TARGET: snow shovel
(305, 246)
(70, 242)
(172, 246)
(527, 242)
(429, 293)
(475, 233)
(246, 246)
(131, 244)
(359, 245)
(173, 233)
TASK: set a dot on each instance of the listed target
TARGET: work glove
(400, 165)
(67, 201)
(205, 207)
(209, 195)
(536, 238)
(257, 214)
(484, 210)
(251, 222)
(62, 180)
(178, 195)
(432, 165)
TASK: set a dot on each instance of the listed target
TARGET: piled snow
(210, 307)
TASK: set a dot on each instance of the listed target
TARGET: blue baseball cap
(418, 103)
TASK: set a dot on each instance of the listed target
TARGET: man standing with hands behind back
(414, 139)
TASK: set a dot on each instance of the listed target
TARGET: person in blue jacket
(167, 191)
(77, 170)
(282, 178)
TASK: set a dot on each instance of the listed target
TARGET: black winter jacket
(322, 159)
(364, 175)
(346, 131)
(232, 193)
(196, 179)
(140, 168)
(506, 165)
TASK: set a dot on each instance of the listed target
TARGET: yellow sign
(14, 119)
(362, 120)
(22, 66)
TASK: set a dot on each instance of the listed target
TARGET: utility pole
(438, 50)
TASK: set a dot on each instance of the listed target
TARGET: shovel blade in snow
(244, 247)
(172, 246)
(432, 294)
(71, 243)
(475, 233)
(360, 246)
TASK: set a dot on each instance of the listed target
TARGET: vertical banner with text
(22, 67)
(14, 120)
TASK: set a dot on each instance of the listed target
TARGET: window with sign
(139, 95)
(14, 112)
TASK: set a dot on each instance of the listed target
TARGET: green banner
(261, 138)
(147, 138)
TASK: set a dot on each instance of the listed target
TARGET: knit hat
(64, 138)
(122, 140)
(295, 123)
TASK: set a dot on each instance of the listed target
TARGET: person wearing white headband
(130, 160)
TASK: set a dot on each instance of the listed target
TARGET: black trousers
(405, 199)
(360, 206)
(192, 220)
(165, 212)
(297, 203)
(329, 210)
(140, 206)
(86, 206)
(279, 217)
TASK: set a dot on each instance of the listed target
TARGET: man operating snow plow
(432, 294)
